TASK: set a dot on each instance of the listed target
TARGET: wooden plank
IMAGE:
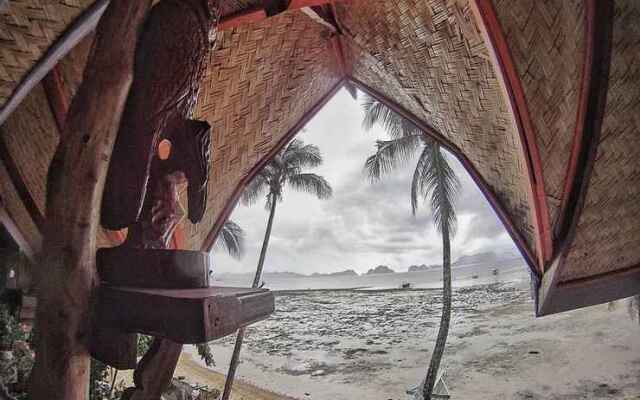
(153, 268)
(182, 315)
(509, 80)
(590, 291)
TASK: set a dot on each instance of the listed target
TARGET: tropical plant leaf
(376, 113)
(231, 238)
(390, 154)
(311, 183)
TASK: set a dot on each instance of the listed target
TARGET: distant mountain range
(380, 269)
(423, 267)
(488, 259)
(346, 272)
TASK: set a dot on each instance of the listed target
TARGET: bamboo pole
(74, 192)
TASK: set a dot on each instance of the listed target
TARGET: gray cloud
(364, 224)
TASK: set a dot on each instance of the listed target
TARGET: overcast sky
(364, 224)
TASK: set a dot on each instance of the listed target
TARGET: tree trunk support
(74, 191)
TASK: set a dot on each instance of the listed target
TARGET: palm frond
(377, 113)
(231, 239)
(302, 156)
(256, 188)
(416, 180)
(311, 183)
(440, 183)
(390, 154)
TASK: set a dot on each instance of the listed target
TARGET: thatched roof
(537, 99)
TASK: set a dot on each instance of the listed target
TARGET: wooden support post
(74, 191)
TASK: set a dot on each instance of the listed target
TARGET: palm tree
(286, 168)
(433, 178)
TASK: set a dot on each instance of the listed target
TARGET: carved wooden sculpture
(168, 296)
(141, 191)
(170, 60)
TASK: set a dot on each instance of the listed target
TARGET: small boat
(405, 285)
(474, 276)
(495, 271)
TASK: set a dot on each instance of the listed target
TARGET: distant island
(423, 267)
(346, 272)
(380, 269)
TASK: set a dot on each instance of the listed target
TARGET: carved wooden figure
(141, 191)
(170, 61)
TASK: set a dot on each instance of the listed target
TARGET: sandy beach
(376, 345)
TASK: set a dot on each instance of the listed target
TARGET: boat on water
(405, 285)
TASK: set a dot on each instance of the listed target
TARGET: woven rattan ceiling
(516, 89)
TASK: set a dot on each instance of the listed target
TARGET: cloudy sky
(364, 224)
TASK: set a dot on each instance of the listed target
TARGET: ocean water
(462, 276)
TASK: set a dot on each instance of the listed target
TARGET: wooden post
(74, 190)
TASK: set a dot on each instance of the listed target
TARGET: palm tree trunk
(235, 357)
(443, 331)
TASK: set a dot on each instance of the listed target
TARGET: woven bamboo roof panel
(261, 80)
(30, 137)
(429, 57)
(27, 29)
(608, 234)
(546, 40)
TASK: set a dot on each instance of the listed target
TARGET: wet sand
(376, 345)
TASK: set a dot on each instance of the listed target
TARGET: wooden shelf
(182, 315)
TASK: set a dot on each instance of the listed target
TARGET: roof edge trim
(507, 76)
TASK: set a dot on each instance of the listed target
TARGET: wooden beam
(509, 79)
(495, 203)
(19, 184)
(182, 315)
(53, 85)
(74, 191)
(553, 294)
(29, 249)
(208, 243)
(590, 291)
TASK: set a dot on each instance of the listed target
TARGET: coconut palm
(433, 179)
(231, 239)
(285, 169)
